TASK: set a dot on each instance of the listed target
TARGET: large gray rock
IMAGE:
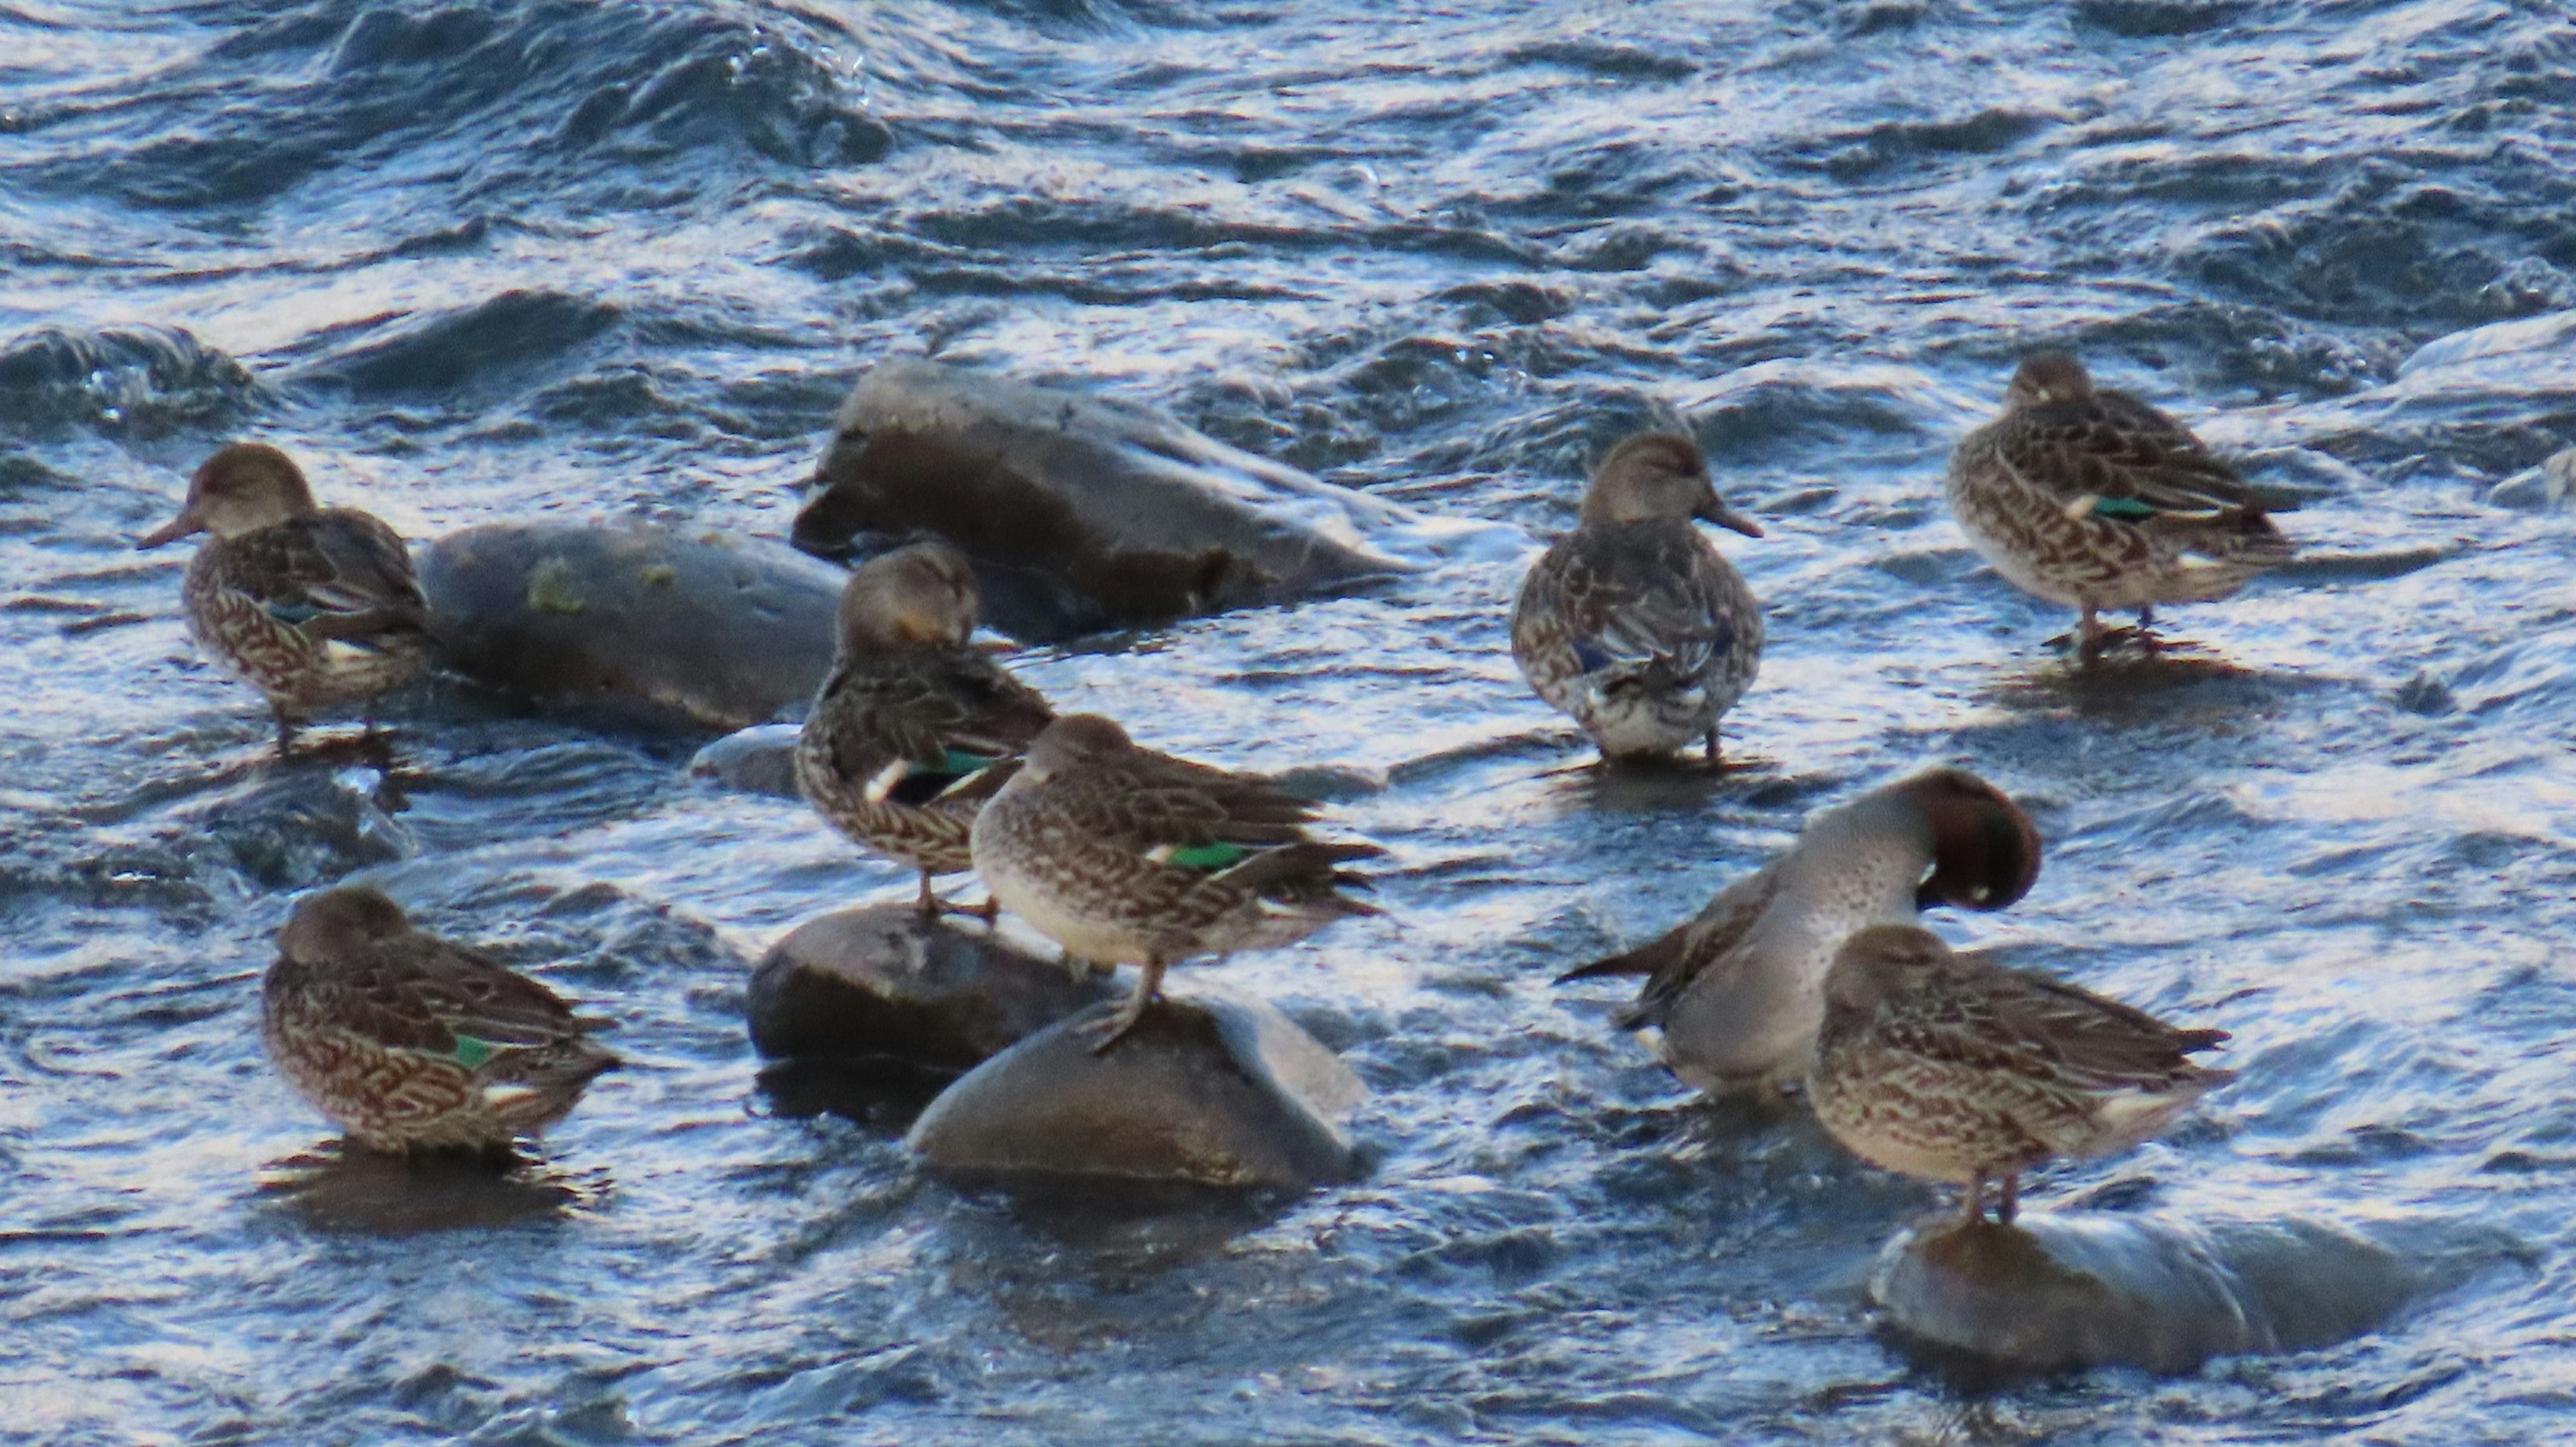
(757, 760)
(1128, 516)
(886, 983)
(718, 631)
(2052, 1292)
(1207, 1089)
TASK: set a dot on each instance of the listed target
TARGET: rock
(2053, 1292)
(886, 984)
(757, 760)
(1083, 513)
(1207, 1089)
(649, 621)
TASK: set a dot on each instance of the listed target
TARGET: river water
(484, 260)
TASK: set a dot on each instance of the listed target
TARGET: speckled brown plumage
(411, 1043)
(915, 728)
(317, 608)
(1737, 991)
(1953, 1068)
(2094, 499)
(1634, 624)
(1126, 856)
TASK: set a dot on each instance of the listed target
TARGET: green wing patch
(2125, 509)
(471, 1053)
(1210, 857)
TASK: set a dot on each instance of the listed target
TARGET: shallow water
(494, 260)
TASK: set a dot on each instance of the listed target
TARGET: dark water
(478, 260)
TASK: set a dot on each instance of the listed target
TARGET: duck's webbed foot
(1105, 1032)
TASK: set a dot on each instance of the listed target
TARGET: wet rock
(2055, 1292)
(757, 760)
(1207, 1089)
(1085, 513)
(2538, 489)
(883, 983)
(659, 623)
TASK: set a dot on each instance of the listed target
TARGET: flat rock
(757, 760)
(665, 624)
(1208, 1089)
(1083, 513)
(885, 984)
(2053, 1292)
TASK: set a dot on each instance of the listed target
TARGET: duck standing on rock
(410, 1043)
(2093, 499)
(1634, 624)
(314, 606)
(1126, 856)
(914, 729)
(1953, 1068)
(1738, 990)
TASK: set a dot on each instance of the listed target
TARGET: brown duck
(915, 728)
(1953, 1068)
(410, 1043)
(2091, 498)
(315, 607)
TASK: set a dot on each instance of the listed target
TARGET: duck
(411, 1044)
(1123, 855)
(914, 729)
(1950, 1067)
(2092, 499)
(1737, 991)
(315, 607)
(1634, 624)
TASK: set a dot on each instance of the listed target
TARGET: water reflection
(340, 1188)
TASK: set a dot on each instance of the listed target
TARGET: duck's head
(337, 923)
(916, 597)
(1882, 962)
(1659, 475)
(1985, 852)
(2046, 377)
(244, 487)
(1072, 741)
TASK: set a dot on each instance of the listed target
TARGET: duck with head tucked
(1738, 990)
(1634, 624)
(2090, 498)
(316, 607)
(1954, 1068)
(1126, 856)
(915, 728)
(411, 1043)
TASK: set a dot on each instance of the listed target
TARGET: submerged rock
(2055, 1292)
(716, 631)
(884, 983)
(1083, 513)
(757, 760)
(1207, 1089)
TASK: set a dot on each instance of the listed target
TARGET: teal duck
(1953, 1068)
(1126, 856)
(1634, 624)
(915, 728)
(410, 1043)
(2090, 498)
(315, 607)
(1738, 990)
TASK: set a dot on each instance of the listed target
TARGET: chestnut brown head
(2047, 377)
(1882, 962)
(337, 923)
(922, 596)
(1985, 853)
(244, 487)
(1659, 475)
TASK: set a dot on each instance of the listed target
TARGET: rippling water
(478, 260)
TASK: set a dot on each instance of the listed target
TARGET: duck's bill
(1727, 517)
(171, 531)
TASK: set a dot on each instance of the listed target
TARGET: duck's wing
(1635, 594)
(1707, 940)
(423, 994)
(338, 573)
(2059, 1035)
(924, 727)
(2112, 456)
(1208, 820)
